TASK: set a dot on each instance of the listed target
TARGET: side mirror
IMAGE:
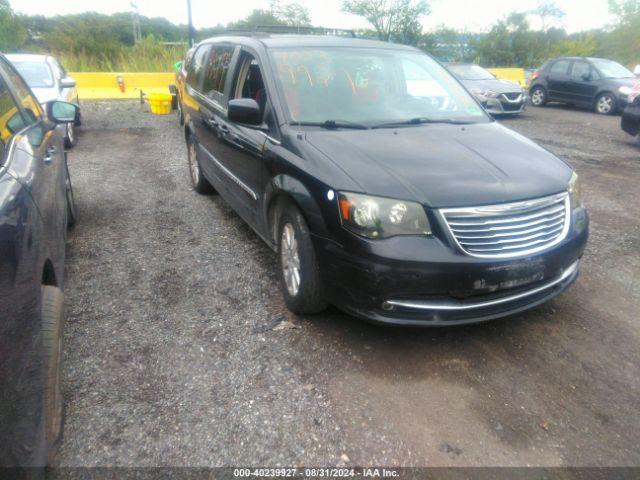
(67, 82)
(62, 112)
(245, 111)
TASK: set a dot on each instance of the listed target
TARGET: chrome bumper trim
(449, 305)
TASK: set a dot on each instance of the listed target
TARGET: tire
(52, 336)
(606, 104)
(70, 138)
(198, 182)
(180, 113)
(70, 200)
(538, 96)
(302, 291)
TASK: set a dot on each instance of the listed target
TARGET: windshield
(369, 87)
(611, 69)
(36, 74)
(470, 72)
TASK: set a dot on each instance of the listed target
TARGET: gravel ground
(180, 351)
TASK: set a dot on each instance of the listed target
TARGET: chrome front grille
(515, 97)
(511, 229)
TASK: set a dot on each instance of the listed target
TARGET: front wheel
(299, 273)
(538, 97)
(70, 138)
(606, 104)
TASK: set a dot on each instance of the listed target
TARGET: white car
(49, 81)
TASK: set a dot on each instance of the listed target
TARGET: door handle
(223, 128)
(49, 154)
(211, 122)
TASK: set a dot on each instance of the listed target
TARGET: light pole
(191, 31)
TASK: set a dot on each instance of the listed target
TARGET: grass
(145, 56)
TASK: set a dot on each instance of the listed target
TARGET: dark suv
(36, 207)
(380, 181)
(596, 83)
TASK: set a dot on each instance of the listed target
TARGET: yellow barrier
(105, 85)
(513, 74)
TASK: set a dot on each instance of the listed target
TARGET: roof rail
(338, 32)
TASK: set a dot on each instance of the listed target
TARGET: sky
(473, 15)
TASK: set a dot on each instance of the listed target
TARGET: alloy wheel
(537, 97)
(605, 104)
(290, 259)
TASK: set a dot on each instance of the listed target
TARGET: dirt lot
(172, 357)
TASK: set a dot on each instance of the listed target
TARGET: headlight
(484, 93)
(575, 191)
(625, 90)
(376, 217)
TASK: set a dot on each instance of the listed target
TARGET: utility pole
(191, 30)
(135, 17)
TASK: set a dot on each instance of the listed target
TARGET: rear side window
(216, 70)
(11, 121)
(195, 66)
(560, 67)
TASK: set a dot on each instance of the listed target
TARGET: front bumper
(504, 105)
(418, 281)
(631, 119)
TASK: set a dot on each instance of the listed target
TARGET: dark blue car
(36, 208)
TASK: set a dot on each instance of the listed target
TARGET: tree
(581, 45)
(548, 10)
(625, 10)
(13, 33)
(623, 41)
(391, 19)
(292, 14)
(450, 45)
(512, 43)
(255, 18)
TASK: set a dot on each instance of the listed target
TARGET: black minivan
(383, 185)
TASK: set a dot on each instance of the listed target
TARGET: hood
(443, 165)
(44, 95)
(493, 84)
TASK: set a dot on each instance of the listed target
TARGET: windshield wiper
(422, 121)
(333, 124)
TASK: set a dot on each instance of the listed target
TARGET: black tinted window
(10, 118)
(560, 67)
(25, 97)
(196, 65)
(216, 69)
(581, 71)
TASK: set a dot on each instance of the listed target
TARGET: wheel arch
(602, 92)
(285, 189)
(49, 277)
